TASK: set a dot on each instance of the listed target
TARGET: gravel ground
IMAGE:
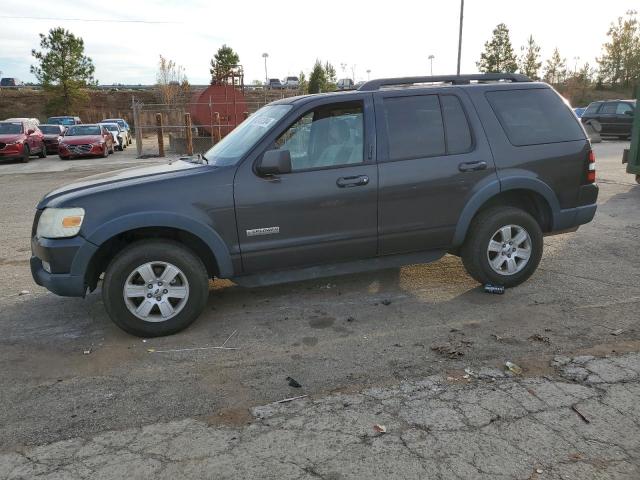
(340, 335)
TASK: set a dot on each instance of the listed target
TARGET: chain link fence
(184, 128)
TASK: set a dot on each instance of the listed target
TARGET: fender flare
(137, 220)
(495, 187)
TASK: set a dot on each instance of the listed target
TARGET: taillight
(591, 167)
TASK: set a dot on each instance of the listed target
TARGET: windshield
(50, 129)
(61, 120)
(78, 130)
(233, 147)
(119, 122)
(10, 128)
(112, 127)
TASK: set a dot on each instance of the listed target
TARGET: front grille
(79, 149)
(49, 141)
(2, 145)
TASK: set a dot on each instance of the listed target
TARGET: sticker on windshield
(264, 122)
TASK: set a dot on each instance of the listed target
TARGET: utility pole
(460, 35)
(369, 74)
(265, 55)
(431, 57)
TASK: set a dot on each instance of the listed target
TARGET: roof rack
(372, 85)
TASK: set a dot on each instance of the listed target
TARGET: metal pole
(136, 120)
(460, 35)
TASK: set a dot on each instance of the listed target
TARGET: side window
(608, 108)
(414, 127)
(456, 125)
(328, 136)
(534, 116)
(592, 109)
(624, 108)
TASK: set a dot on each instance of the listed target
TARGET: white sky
(390, 38)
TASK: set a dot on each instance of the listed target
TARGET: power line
(84, 19)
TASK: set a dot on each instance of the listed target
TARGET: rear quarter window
(534, 116)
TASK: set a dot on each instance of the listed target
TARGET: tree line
(64, 71)
(618, 66)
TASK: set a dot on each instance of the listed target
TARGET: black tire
(139, 253)
(474, 252)
(26, 155)
(43, 151)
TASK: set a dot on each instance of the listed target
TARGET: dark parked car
(52, 136)
(611, 117)
(275, 84)
(86, 140)
(11, 82)
(323, 185)
(65, 120)
(21, 139)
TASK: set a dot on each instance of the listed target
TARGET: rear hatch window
(534, 116)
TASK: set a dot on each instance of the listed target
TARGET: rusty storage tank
(222, 101)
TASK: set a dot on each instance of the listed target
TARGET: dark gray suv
(400, 171)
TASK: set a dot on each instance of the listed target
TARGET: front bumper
(12, 152)
(68, 259)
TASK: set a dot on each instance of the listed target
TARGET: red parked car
(19, 140)
(52, 136)
(86, 140)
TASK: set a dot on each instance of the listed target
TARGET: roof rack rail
(372, 85)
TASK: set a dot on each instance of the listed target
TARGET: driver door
(325, 209)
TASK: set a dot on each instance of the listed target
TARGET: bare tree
(172, 84)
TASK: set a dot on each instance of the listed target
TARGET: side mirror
(275, 162)
(31, 131)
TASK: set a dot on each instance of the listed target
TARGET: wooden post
(138, 127)
(160, 134)
(216, 131)
(189, 138)
(211, 121)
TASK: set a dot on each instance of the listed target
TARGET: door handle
(354, 181)
(472, 166)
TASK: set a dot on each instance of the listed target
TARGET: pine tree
(555, 70)
(317, 78)
(63, 70)
(620, 62)
(498, 55)
(223, 64)
(530, 61)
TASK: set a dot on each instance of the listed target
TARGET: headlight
(60, 222)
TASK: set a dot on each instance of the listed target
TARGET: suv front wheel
(503, 246)
(155, 288)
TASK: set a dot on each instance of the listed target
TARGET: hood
(82, 139)
(11, 137)
(128, 176)
(51, 136)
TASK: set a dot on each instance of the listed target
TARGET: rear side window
(592, 109)
(534, 116)
(608, 108)
(458, 135)
(415, 128)
(624, 108)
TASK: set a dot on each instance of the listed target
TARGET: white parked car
(292, 82)
(119, 136)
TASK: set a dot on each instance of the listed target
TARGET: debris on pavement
(87, 351)
(293, 383)
(539, 338)
(580, 414)
(350, 319)
(513, 368)
(386, 302)
(617, 332)
(24, 292)
(380, 429)
(448, 350)
(291, 399)
(498, 338)
(470, 373)
(491, 288)
(539, 470)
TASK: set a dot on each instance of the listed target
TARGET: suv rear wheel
(503, 246)
(155, 288)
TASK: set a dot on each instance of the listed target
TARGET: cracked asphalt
(387, 348)
(581, 423)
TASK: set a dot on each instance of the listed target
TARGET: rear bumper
(68, 260)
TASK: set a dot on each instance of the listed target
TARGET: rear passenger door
(607, 118)
(432, 157)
